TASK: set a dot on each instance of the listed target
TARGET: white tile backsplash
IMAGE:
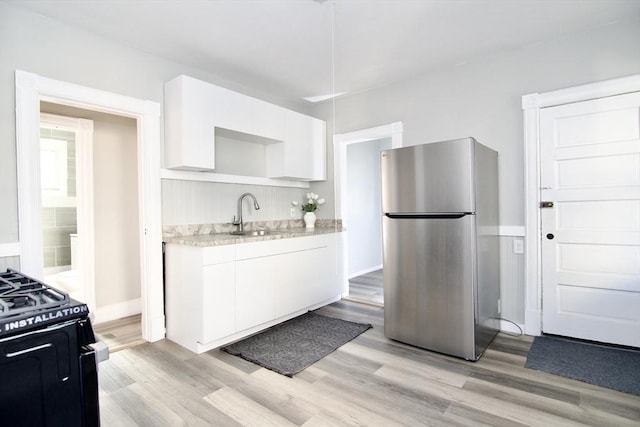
(195, 202)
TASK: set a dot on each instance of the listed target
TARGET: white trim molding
(365, 271)
(531, 106)
(511, 230)
(340, 142)
(9, 249)
(30, 90)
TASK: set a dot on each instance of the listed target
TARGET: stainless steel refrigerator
(441, 249)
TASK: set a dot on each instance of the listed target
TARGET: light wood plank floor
(371, 381)
(367, 288)
(121, 333)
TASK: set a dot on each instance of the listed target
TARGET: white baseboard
(365, 271)
(117, 311)
(533, 322)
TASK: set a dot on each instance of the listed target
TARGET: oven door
(89, 386)
(42, 378)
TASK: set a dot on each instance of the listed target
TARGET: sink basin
(251, 233)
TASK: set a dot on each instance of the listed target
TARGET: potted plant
(309, 206)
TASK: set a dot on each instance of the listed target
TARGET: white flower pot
(309, 220)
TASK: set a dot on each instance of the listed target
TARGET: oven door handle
(28, 350)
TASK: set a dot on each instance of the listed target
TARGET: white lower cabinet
(300, 287)
(199, 293)
(255, 297)
(218, 301)
(217, 295)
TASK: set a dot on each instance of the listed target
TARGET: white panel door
(590, 171)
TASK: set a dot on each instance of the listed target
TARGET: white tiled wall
(193, 202)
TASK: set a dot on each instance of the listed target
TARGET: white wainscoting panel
(512, 289)
(193, 202)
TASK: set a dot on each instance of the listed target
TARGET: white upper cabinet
(229, 110)
(189, 128)
(268, 120)
(302, 154)
(294, 144)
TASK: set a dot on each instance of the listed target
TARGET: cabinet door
(268, 120)
(231, 110)
(302, 155)
(218, 301)
(307, 279)
(189, 127)
(255, 279)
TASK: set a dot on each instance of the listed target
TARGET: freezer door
(429, 283)
(429, 178)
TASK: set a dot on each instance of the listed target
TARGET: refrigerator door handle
(444, 215)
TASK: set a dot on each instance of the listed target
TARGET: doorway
(66, 176)
(31, 89)
(107, 197)
(593, 201)
(364, 232)
(357, 175)
(590, 178)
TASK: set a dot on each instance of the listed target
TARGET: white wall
(483, 99)
(117, 243)
(364, 224)
(36, 44)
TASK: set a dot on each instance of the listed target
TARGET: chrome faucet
(237, 220)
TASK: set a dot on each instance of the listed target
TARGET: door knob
(546, 204)
(550, 236)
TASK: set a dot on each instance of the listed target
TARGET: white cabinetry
(200, 293)
(268, 120)
(256, 297)
(295, 143)
(218, 301)
(220, 294)
(241, 113)
(302, 154)
(189, 129)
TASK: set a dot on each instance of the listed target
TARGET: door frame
(531, 105)
(340, 142)
(30, 90)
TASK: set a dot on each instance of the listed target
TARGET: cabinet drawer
(277, 247)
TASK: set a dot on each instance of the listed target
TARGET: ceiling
(305, 48)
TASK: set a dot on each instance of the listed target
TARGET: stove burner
(20, 294)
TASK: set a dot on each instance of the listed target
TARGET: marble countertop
(224, 238)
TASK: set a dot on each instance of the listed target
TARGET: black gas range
(48, 366)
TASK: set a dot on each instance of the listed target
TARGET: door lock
(546, 204)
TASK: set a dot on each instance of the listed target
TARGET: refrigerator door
(425, 178)
(430, 283)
